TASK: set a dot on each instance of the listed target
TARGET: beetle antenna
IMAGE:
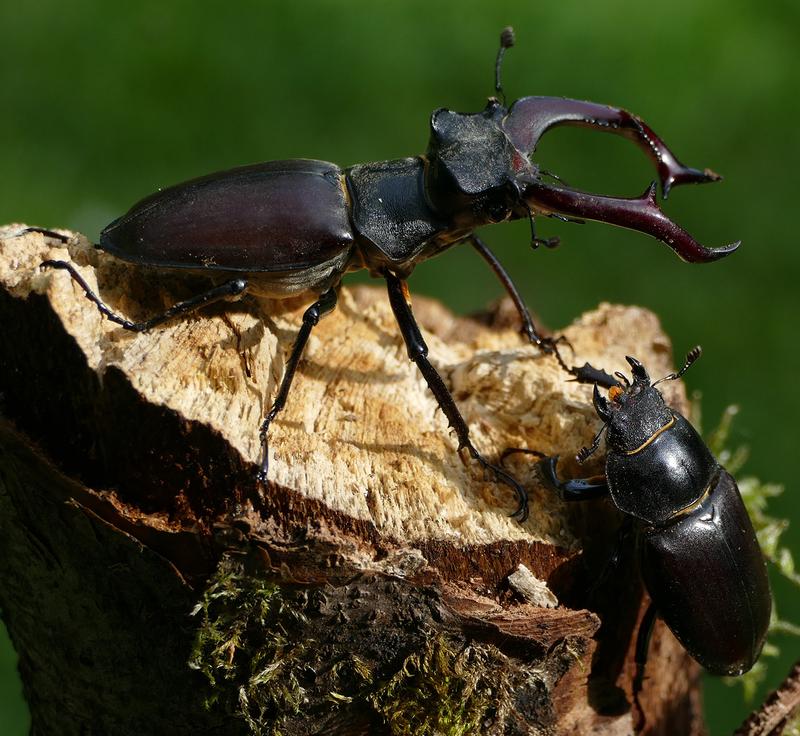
(586, 452)
(506, 42)
(691, 357)
(554, 177)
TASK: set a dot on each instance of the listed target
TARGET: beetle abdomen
(274, 216)
(708, 579)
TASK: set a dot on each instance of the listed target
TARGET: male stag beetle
(699, 555)
(279, 228)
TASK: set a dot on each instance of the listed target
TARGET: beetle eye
(498, 212)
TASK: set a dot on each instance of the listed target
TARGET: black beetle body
(698, 552)
(283, 227)
(284, 223)
(296, 220)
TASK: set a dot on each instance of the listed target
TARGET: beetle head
(634, 410)
(472, 167)
(479, 168)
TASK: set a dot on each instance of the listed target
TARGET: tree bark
(779, 711)
(150, 585)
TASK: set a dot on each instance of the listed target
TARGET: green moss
(441, 691)
(274, 654)
(242, 648)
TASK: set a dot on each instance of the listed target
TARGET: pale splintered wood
(361, 433)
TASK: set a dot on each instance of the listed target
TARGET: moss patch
(242, 648)
(287, 658)
(442, 691)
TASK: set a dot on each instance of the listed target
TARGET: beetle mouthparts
(637, 213)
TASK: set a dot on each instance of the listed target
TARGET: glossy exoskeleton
(699, 556)
(279, 228)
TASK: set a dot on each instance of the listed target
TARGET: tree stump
(376, 585)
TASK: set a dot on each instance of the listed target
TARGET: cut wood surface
(365, 588)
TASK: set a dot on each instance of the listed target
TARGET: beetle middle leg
(234, 288)
(418, 352)
(311, 317)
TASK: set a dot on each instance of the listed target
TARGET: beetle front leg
(311, 317)
(233, 288)
(575, 489)
(583, 374)
(545, 344)
(417, 352)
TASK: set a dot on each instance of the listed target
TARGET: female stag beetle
(279, 228)
(699, 555)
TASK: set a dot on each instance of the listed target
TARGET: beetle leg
(545, 344)
(583, 374)
(232, 288)
(531, 117)
(44, 231)
(311, 317)
(520, 450)
(417, 352)
(587, 373)
(613, 562)
(646, 626)
(576, 489)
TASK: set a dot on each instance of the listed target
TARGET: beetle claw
(637, 213)
(531, 117)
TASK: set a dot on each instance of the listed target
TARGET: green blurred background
(103, 103)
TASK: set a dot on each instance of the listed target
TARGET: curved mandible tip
(637, 213)
(531, 117)
(639, 372)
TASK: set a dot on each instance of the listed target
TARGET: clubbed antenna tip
(506, 42)
(507, 37)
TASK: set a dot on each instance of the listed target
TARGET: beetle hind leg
(44, 231)
(233, 288)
